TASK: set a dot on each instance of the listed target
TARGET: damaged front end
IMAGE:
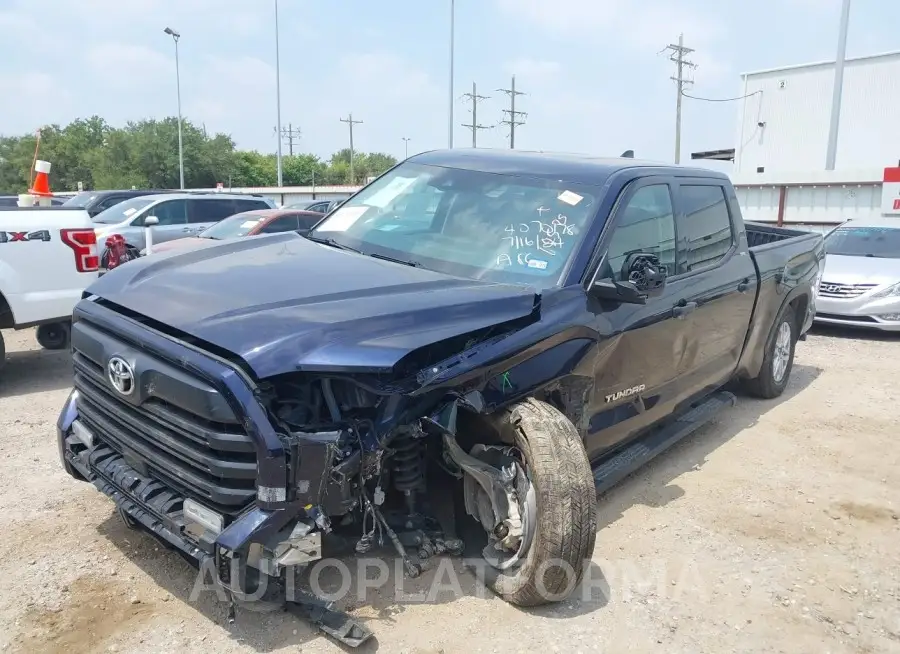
(339, 462)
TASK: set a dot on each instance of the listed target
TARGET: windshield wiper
(333, 243)
(414, 264)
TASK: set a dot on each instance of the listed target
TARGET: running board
(611, 471)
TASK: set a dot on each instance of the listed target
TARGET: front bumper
(147, 503)
(862, 312)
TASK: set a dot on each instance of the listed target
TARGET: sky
(593, 72)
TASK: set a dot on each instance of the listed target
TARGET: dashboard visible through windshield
(466, 223)
(862, 241)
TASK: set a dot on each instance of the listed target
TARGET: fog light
(199, 514)
(893, 317)
(83, 434)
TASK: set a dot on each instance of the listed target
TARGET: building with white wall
(781, 139)
(784, 117)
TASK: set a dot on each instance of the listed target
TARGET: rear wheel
(557, 507)
(53, 336)
(779, 358)
(2, 352)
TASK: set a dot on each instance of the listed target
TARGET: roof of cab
(576, 168)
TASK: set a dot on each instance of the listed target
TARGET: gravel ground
(773, 530)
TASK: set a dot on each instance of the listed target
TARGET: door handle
(187, 229)
(682, 309)
(743, 286)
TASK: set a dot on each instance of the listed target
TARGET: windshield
(883, 242)
(80, 199)
(122, 211)
(466, 223)
(232, 227)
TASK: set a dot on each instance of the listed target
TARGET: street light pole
(278, 93)
(837, 91)
(175, 36)
(406, 147)
(450, 98)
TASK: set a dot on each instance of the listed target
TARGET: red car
(247, 223)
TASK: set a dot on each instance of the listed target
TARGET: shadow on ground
(374, 588)
(35, 371)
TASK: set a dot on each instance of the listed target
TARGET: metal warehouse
(781, 140)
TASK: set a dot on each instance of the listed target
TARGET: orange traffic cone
(41, 186)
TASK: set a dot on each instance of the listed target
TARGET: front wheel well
(7, 320)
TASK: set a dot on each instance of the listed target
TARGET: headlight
(890, 291)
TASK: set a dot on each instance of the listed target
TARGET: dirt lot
(774, 530)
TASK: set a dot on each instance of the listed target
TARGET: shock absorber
(408, 466)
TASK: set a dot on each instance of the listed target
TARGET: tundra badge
(628, 392)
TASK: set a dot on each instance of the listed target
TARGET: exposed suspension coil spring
(408, 462)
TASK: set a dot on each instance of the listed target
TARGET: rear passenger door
(716, 282)
(204, 213)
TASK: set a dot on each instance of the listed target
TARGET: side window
(283, 224)
(211, 211)
(307, 222)
(705, 230)
(170, 212)
(646, 224)
(250, 205)
(319, 207)
(108, 202)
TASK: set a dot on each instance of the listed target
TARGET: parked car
(48, 256)
(248, 223)
(13, 201)
(861, 283)
(319, 206)
(540, 337)
(179, 215)
(95, 202)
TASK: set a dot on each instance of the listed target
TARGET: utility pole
(474, 126)
(350, 122)
(831, 153)
(406, 141)
(513, 115)
(678, 56)
(289, 134)
(450, 98)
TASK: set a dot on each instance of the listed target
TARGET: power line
(678, 54)
(513, 115)
(474, 98)
(350, 122)
(288, 134)
(740, 97)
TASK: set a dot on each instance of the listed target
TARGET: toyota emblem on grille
(120, 375)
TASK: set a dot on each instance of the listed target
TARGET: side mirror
(643, 276)
(644, 270)
(151, 221)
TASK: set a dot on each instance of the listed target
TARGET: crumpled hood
(283, 303)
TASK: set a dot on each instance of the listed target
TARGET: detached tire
(779, 358)
(566, 527)
(53, 336)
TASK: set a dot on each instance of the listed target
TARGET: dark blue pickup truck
(512, 331)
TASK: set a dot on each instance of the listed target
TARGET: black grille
(211, 461)
(835, 316)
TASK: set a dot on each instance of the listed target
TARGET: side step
(610, 472)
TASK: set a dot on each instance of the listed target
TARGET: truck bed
(759, 234)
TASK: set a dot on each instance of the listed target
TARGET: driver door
(636, 372)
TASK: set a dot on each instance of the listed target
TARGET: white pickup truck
(48, 256)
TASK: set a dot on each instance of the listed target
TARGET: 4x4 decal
(19, 237)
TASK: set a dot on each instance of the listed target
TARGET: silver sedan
(860, 285)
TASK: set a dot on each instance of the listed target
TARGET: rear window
(80, 199)
(250, 205)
